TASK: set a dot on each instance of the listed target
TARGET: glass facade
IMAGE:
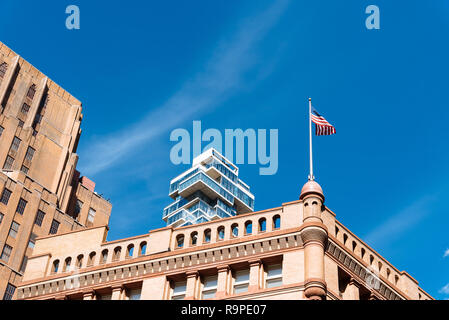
(210, 190)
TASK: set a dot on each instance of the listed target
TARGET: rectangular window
(21, 123)
(30, 153)
(210, 287)
(24, 264)
(274, 276)
(5, 196)
(8, 163)
(134, 294)
(21, 206)
(14, 229)
(24, 169)
(179, 290)
(25, 108)
(91, 215)
(54, 227)
(104, 297)
(78, 207)
(32, 241)
(241, 282)
(15, 144)
(39, 218)
(1, 130)
(6, 253)
(1, 217)
(9, 292)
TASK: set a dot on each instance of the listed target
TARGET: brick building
(41, 192)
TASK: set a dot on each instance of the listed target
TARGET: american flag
(322, 127)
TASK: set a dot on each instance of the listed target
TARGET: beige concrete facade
(296, 251)
(39, 133)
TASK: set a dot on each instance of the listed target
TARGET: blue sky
(145, 68)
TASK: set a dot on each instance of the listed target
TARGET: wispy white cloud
(445, 289)
(400, 222)
(221, 77)
(446, 253)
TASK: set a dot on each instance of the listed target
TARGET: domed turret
(311, 187)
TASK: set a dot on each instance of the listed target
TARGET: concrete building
(298, 250)
(210, 190)
(41, 192)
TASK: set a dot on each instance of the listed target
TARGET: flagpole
(311, 177)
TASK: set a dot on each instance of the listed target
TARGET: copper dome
(311, 187)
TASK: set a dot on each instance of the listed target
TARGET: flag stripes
(322, 126)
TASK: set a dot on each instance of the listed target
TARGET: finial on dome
(311, 187)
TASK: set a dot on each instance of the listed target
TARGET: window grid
(6, 253)
(30, 153)
(91, 215)
(5, 196)
(32, 241)
(210, 287)
(15, 144)
(179, 290)
(25, 108)
(21, 206)
(14, 229)
(39, 218)
(9, 292)
(54, 227)
(24, 169)
(274, 276)
(31, 91)
(241, 282)
(8, 163)
(3, 68)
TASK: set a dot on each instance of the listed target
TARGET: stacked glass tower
(210, 190)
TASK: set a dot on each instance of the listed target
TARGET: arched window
(276, 221)
(104, 256)
(3, 68)
(179, 241)
(130, 251)
(388, 273)
(379, 266)
(79, 261)
(371, 259)
(336, 231)
(248, 227)
(262, 225)
(354, 245)
(396, 279)
(67, 263)
(193, 238)
(55, 267)
(117, 253)
(31, 91)
(363, 252)
(91, 260)
(235, 230)
(345, 238)
(220, 233)
(143, 248)
(207, 235)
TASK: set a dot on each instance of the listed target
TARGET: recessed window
(104, 256)
(193, 238)
(15, 144)
(24, 264)
(31, 91)
(14, 229)
(8, 163)
(130, 251)
(30, 153)
(207, 235)
(78, 207)
(3, 68)
(1, 217)
(5, 196)
(241, 281)
(32, 241)
(143, 248)
(210, 287)
(179, 290)
(24, 169)
(6, 253)
(25, 108)
(91, 216)
(248, 227)
(9, 292)
(21, 123)
(179, 241)
(262, 225)
(117, 253)
(79, 261)
(21, 206)
(1, 130)
(39, 218)
(235, 230)
(274, 276)
(54, 227)
(134, 294)
(221, 233)
(55, 267)
(67, 264)
(276, 222)
(91, 259)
